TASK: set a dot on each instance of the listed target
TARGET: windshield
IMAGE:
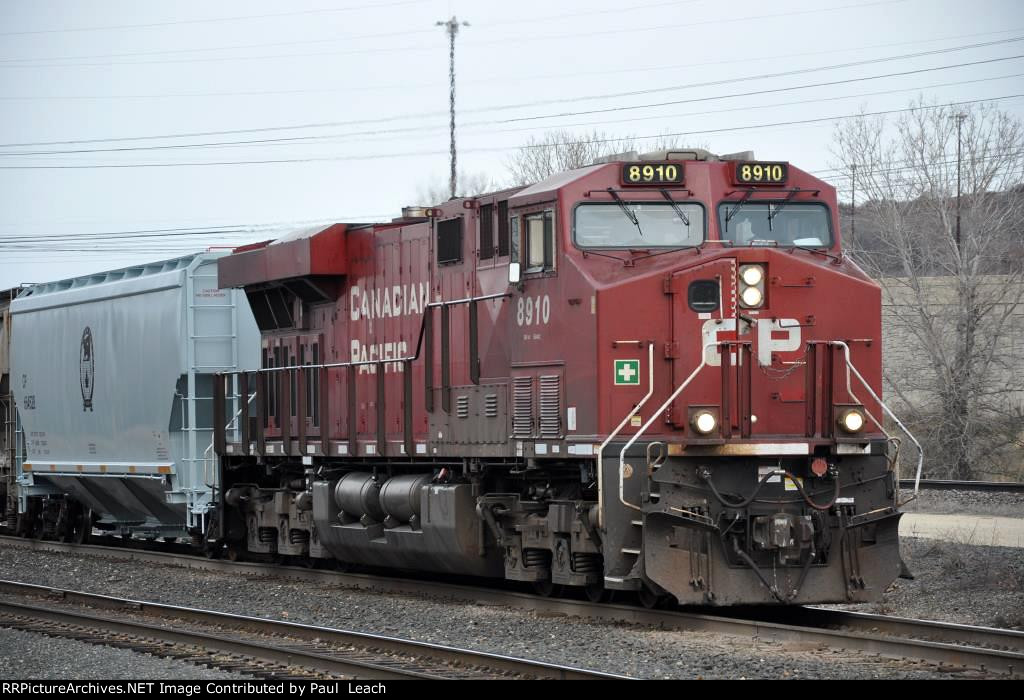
(638, 225)
(775, 223)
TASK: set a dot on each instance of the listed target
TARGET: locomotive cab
(739, 371)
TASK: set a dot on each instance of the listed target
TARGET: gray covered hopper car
(112, 377)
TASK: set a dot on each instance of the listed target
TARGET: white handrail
(208, 450)
(633, 412)
(920, 450)
(654, 416)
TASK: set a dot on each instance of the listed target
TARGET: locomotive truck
(656, 374)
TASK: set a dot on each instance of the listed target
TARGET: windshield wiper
(736, 209)
(678, 210)
(626, 210)
(772, 213)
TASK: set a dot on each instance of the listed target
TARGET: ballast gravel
(1004, 504)
(34, 656)
(957, 581)
(633, 650)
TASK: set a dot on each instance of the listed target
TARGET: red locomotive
(658, 374)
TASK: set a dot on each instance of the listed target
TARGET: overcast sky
(154, 107)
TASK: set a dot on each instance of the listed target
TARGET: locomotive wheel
(648, 598)
(594, 591)
(547, 589)
(233, 553)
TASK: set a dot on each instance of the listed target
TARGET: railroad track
(949, 485)
(947, 645)
(256, 646)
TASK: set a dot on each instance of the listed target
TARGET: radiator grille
(550, 406)
(522, 407)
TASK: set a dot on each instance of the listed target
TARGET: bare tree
(560, 150)
(942, 208)
(469, 185)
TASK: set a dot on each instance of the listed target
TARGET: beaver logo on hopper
(87, 369)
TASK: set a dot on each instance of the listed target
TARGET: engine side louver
(550, 406)
(491, 405)
(462, 407)
(522, 407)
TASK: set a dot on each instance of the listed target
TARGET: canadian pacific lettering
(389, 302)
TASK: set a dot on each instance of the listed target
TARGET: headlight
(752, 296)
(751, 286)
(704, 422)
(852, 421)
(752, 275)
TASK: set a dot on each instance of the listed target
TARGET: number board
(754, 173)
(652, 174)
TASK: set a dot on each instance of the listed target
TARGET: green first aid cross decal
(627, 372)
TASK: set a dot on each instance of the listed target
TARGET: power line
(745, 108)
(507, 79)
(862, 170)
(274, 15)
(515, 40)
(113, 246)
(876, 169)
(748, 78)
(207, 229)
(379, 119)
(341, 38)
(299, 139)
(407, 154)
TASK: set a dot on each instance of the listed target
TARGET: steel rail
(431, 661)
(210, 642)
(991, 649)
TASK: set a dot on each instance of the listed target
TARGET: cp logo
(773, 335)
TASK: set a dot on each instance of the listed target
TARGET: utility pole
(853, 206)
(452, 27)
(960, 116)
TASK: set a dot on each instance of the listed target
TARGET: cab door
(704, 311)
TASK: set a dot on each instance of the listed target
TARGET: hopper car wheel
(37, 525)
(80, 526)
(233, 553)
(23, 524)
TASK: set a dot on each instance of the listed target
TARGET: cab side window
(539, 241)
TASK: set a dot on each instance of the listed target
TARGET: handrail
(600, 449)
(920, 450)
(378, 363)
(409, 358)
(208, 450)
(654, 416)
